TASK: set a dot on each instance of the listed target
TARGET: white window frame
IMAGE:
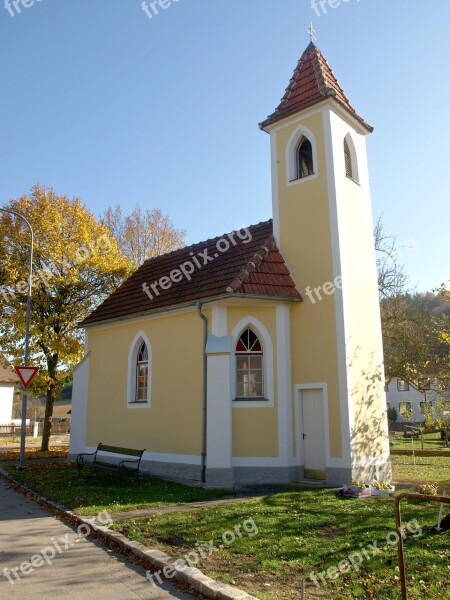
(267, 362)
(132, 366)
(250, 353)
(292, 159)
(401, 382)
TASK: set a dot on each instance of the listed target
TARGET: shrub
(428, 489)
(392, 416)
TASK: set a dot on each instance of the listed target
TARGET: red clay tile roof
(255, 268)
(7, 373)
(312, 81)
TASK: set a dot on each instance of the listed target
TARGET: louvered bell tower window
(348, 160)
(305, 163)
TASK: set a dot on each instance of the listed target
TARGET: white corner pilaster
(345, 384)
(275, 193)
(219, 320)
(78, 417)
(219, 415)
(285, 445)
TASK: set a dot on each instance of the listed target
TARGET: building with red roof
(256, 356)
(8, 381)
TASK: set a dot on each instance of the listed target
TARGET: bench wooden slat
(118, 450)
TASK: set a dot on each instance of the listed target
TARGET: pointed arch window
(305, 162)
(142, 374)
(348, 160)
(139, 382)
(249, 366)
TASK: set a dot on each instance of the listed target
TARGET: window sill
(251, 399)
(137, 405)
(354, 180)
(291, 182)
(302, 178)
(238, 403)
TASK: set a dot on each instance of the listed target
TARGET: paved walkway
(83, 571)
(180, 508)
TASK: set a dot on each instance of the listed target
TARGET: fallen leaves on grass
(35, 453)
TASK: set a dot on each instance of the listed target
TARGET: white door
(313, 433)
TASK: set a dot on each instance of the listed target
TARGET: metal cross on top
(312, 33)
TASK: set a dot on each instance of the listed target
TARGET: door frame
(299, 447)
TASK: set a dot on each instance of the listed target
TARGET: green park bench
(107, 458)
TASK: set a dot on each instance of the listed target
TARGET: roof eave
(185, 305)
(360, 125)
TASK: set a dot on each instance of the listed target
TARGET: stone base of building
(258, 476)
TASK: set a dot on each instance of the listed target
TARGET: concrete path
(180, 508)
(83, 570)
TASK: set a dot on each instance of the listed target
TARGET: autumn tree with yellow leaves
(77, 263)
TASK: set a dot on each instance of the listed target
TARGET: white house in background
(405, 398)
(8, 379)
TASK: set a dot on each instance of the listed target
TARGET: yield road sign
(26, 374)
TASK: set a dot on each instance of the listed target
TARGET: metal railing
(398, 520)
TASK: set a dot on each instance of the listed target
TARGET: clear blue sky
(101, 102)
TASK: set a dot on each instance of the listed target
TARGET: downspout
(204, 402)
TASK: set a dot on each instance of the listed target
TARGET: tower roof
(312, 82)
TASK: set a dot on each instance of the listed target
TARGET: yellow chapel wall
(255, 430)
(173, 424)
(306, 247)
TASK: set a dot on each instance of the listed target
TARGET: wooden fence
(14, 430)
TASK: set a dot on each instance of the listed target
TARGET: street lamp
(27, 335)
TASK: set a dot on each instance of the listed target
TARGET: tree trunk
(50, 399)
(47, 422)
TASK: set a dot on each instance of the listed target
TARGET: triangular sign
(26, 374)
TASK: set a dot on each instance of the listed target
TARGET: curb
(145, 557)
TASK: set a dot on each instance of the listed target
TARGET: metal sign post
(27, 334)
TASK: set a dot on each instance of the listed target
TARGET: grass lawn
(310, 531)
(34, 453)
(92, 494)
(303, 532)
(428, 469)
(14, 441)
(431, 441)
(278, 539)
